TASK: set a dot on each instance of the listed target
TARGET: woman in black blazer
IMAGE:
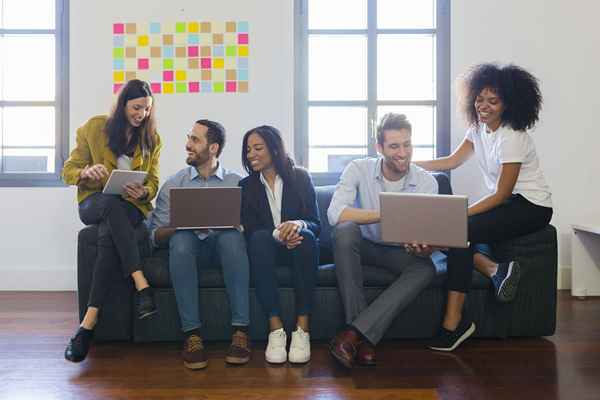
(281, 223)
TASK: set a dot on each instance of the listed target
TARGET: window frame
(301, 101)
(60, 103)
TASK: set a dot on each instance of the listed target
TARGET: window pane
(422, 119)
(339, 126)
(333, 159)
(406, 14)
(337, 67)
(325, 14)
(28, 126)
(28, 14)
(28, 65)
(422, 154)
(28, 160)
(406, 67)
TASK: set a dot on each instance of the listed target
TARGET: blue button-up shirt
(187, 177)
(364, 178)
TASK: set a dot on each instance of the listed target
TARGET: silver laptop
(205, 208)
(432, 219)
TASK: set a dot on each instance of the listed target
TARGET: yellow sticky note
(143, 40)
(243, 51)
(168, 87)
(180, 76)
(193, 27)
(218, 63)
(118, 76)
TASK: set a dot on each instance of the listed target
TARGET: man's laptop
(205, 208)
(432, 219)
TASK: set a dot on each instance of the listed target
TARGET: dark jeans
(265, 253)
(513, 218)
(118, 252)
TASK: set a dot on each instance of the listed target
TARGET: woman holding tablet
(281, 223)
(500, 104)
(124, 140)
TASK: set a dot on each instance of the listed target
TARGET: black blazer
(299, 202)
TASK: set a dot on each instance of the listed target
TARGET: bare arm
(454, 160)
(509, 173)
(360, 216)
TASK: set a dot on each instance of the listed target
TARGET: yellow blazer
(92, 148)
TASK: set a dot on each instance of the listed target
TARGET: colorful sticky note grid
(182, 56)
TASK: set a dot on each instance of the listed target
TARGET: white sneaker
(300, 347)
(275, 353)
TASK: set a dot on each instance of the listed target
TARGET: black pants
(513, 218)
(118, 251)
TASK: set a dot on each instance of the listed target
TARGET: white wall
(558, 42)
(39, 225)
(554, 39)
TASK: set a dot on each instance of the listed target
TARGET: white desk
(585, 248)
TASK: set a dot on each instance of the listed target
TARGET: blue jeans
(188, 255)
(265, 254)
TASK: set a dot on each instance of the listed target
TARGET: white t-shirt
(492, 149)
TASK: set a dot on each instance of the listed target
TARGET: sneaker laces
(194, 343)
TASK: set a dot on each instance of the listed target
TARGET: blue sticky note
(154, 27)
(118, 41)
(242, 74)
(242, 26)
(167, 52)
(193, 39)
(242, 62)
(218, 51)
(206, 86)
(119, 63)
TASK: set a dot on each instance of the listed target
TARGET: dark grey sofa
(533, 313)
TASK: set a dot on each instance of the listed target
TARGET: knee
(231, 240)
(345, 233)
(181, 242)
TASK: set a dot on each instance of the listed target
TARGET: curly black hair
(517, 88)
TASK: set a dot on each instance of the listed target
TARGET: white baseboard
(564, 277)
(37, 280)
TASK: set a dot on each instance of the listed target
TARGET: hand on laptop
(135, 190)
(420, 250)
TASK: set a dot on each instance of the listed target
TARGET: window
(33, 91)
(359, 59)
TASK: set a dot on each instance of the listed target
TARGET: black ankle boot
(145, 305)
(79, 345)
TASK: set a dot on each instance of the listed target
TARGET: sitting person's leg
(231, 249)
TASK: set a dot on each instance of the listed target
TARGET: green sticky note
(231, 51)
(118, 52)
(218, 87)
(180, 27)
(168, 63)
(181, 87)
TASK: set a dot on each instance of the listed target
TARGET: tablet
(121, 177)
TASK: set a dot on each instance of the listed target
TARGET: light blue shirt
(187, 177)
(360, 185)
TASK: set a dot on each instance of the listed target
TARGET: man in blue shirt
(354, 214)
(191, 251)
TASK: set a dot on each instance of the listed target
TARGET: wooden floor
(34, 328)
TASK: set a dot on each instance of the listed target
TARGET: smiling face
(397, 152)
(136, 110)
(198, 150)
(489, 108)
(258, 153)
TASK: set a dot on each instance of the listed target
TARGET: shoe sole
(292, 361)
(148, 314)
(340, 359)
(197, 365)
(508, 288)
(461, 339)
(236, 360)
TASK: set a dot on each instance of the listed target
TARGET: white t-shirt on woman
(492, 149)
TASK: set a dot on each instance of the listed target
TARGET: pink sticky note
(118, 28)
(155, 87)
(193, 51)
(117, 87)
(143, 63)
(230, 87)
(168, 76)
(193, 87)
(205, 63)
(242, 38)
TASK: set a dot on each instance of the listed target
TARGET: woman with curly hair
(500, 104)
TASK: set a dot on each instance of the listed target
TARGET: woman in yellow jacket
(126, 139)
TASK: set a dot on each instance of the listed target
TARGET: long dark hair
(117, 123)
(281, 160)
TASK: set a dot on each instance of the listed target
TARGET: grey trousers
(351, 251)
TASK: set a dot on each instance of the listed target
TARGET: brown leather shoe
(344, 346)
(366, 355)
(193, 353)
(239, 351)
